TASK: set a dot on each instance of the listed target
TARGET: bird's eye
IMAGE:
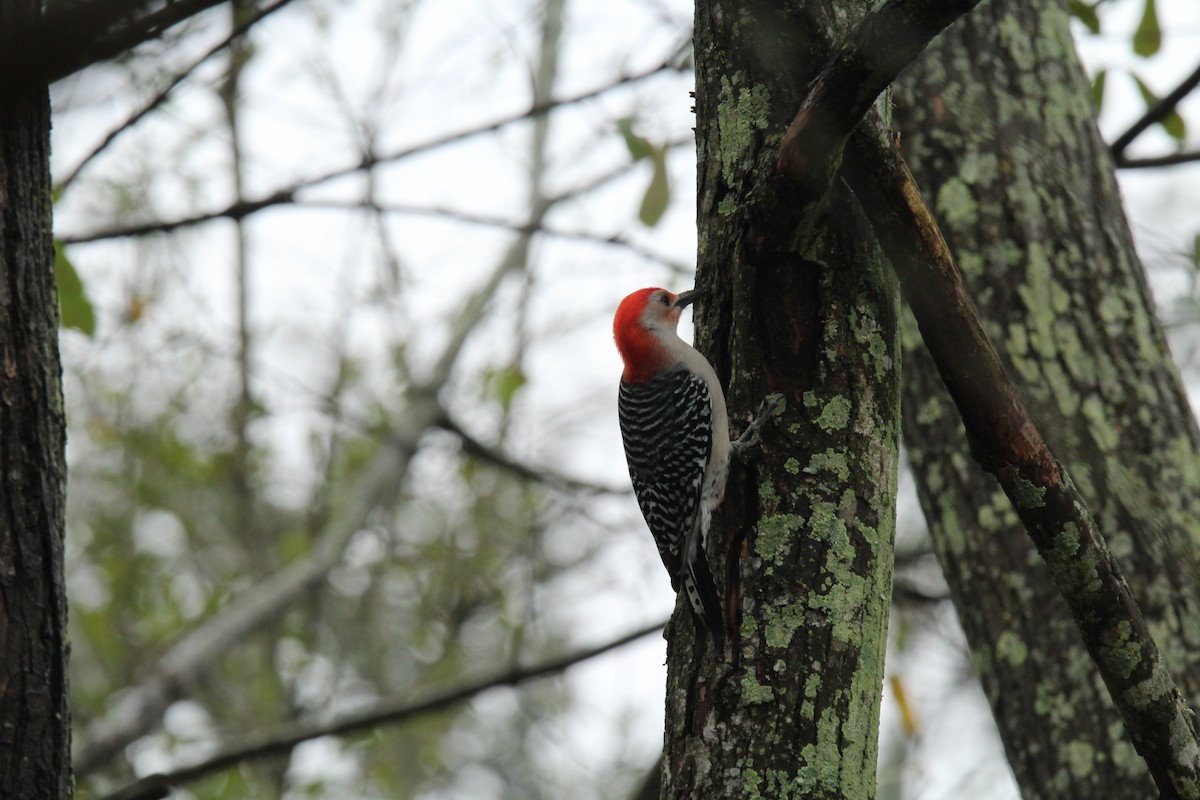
(664, 299)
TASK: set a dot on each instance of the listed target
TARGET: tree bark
(800, 305)
(998, 128)
(34, 716)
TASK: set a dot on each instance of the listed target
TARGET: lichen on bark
(997, 126)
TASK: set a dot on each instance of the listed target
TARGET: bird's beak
(685, 299)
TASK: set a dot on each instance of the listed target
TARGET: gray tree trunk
(34, 717)
(803, 548)
(998, 129)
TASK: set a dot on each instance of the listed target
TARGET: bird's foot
(770, 407)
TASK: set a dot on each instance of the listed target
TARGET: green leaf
(74, 307)
(1196, 251)
(1175, 127)
(1148, 38)
(505, 382)
(639, 148)
(1084, 13)
(658, 193)
(1172, 123)
(1098, 90)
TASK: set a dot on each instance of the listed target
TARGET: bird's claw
(771, 406)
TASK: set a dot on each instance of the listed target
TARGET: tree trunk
(34, 717)
(805, 309)
(998, 129)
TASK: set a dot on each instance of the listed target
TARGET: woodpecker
(676, 434)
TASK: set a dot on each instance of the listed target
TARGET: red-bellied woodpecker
(676, 435)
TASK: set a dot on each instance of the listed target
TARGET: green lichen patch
(831, 461)
(753, 692)
(775, 534)
(956, 203)
(1123, 656)
(752, 782)
(1026, 494)
(842, 603)
(1100, 427)
(835, 416)
(1011, 648)
(782, 624)
(1081, 757)
(741, 114)
(933, 409)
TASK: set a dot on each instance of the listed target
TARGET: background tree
(1024, 186)
(34, 714)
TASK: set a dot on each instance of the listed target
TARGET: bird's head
(644, 327)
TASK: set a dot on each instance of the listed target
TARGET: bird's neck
(647, 353)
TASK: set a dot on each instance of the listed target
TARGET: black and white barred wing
(666, 423)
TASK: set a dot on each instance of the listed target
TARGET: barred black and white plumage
(676, 432)
(666, 424)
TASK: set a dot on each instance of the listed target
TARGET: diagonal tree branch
(525, 472)
(1154, 114)
(389, 711)
(886, 41)
(1006, 443)
(70, 36)
(238, 31)
(139, 709)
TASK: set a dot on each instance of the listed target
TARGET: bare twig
(287, 194)
(525, 228)
(525, 472)
(1154, 114)
(388, 711)
(238, 31)
(1152, 162)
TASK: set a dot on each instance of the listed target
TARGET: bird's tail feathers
(702, 596)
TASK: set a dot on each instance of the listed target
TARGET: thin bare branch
(238, 31)
(525, 228)
(1152, 162)
(388, 711)
(495, 457)
(288, 194)
(1155, 113)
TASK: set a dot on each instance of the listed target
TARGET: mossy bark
(998, 129)
(801, 306)
(34, 717)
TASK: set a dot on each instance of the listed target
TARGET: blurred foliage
(75, 308)
(658, 192)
